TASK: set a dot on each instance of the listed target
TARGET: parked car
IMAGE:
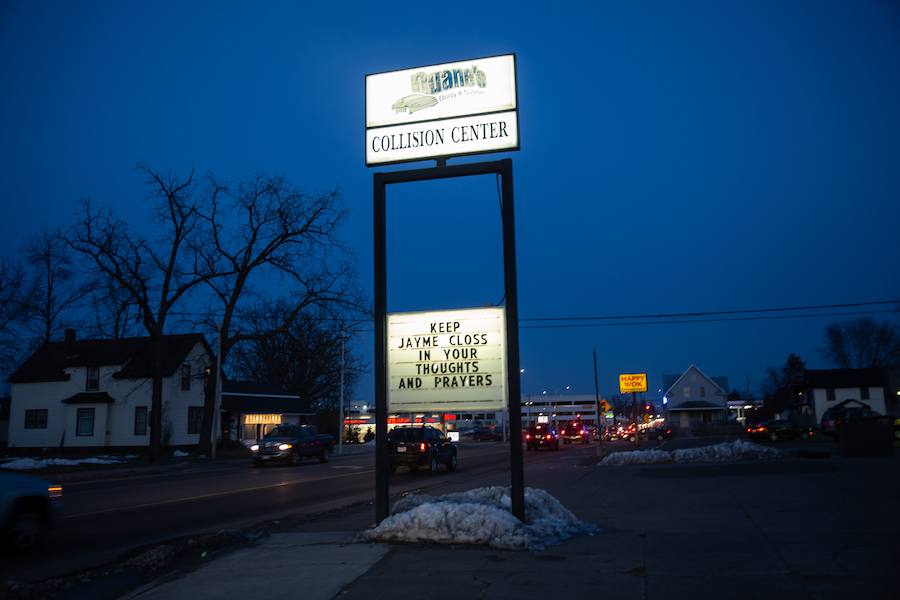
(486, 435)
(27, 508)
(657, 433)
(541, 436)
(610, 433)
(778, 430)
(575, 431)
(292, 443)
(416, 447)
(836, 416)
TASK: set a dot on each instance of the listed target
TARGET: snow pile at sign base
(32, 464)
(481, 516)
(724, 452)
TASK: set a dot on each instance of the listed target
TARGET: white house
(694, 399)
(97, 393)
(829, 387)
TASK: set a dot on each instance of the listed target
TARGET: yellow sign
(604, 406)
(262, 419)
(632, 382)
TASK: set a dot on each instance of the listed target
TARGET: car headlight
(284, 447)
(254, 447)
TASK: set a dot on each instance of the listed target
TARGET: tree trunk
(156, 400)
(209, 406)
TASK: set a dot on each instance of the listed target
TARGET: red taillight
(423, 447)
(549, 437)
(527, 436)
(749, 429)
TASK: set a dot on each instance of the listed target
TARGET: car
(657, 433)
(291, 443)
(778, 429)
(418, 447)
(27, 508)
(541, 436)
(837, 416)
(575, 431)
(610, 433)
(486, 435)
(414, 103)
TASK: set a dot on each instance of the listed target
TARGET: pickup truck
(292, 443)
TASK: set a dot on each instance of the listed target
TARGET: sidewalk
(812, 529)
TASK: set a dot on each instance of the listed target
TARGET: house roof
(89, 398)
(716, 381)
(253, 397)
(134, 355)
(846, 378)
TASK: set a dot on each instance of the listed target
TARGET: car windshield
(291, 431)
(405, 434)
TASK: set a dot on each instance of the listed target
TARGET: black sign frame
(502, 168)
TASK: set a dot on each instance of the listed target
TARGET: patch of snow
(480, 516)
(180, 454)
(724, 452)
(32, 464)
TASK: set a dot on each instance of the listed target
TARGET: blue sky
(675, 156)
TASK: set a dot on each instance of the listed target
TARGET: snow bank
(480, 516)
(727, 451)
(32, 464)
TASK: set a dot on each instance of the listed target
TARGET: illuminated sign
(262, 419)
(543, 419)
(453, 436)
(448, 361)
(632, 382)
(452, 109)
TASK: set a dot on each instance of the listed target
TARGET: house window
(185, 377)
(36, 418)
(864, 393)
(140, 420)
(703, 391)
(687, 391)
(92, 382)
(195, 419)
(829, 394)
(84, 425)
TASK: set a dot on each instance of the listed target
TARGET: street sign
(632, 382)
(447, 361)
(604, 406)
(451, 109)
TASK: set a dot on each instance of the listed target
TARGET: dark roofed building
(250, 409)
(827, 388)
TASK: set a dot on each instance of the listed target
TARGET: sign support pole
(514, 393)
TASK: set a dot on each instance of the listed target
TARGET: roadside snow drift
(727, 451)
(480, 516)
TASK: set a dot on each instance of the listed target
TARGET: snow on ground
(180, 454)
(727, 451)
(480, 516)
(33, 464)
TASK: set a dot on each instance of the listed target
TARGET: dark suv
(541, 436)
(416, 447)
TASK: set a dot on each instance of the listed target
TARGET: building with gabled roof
(97, 392)
(695, 399)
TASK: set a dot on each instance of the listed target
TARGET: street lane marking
(212, 495)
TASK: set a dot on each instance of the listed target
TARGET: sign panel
(448, 361)
(543, 419)
(451, 109)
(262, 419)
(453, 436)
(632, 382)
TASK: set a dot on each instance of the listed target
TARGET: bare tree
(862, 343)
(13, 300)
(114, 313)
(156, 274)
(270, 238)
(56, 290)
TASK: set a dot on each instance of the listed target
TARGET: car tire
(453, 463)
(433, 464)
(27, 529)
(325, 454)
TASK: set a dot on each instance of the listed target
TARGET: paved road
(102, 519)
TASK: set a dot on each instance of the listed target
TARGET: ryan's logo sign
(429, 89)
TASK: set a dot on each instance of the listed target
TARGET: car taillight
(423, 447)
(527, 436)
(549, 437)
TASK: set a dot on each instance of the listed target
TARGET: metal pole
(382, 460)
(597, 399)
(634, 414)
(517, 475)
(341, 409)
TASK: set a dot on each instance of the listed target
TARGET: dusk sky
(676, 157)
